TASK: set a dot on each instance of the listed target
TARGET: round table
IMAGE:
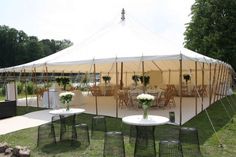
(63, 111)
(67, 122)
(145, 129)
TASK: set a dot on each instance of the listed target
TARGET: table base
(67, 129)
(145, 142)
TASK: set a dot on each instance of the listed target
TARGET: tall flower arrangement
(145, 101)
(66, 98)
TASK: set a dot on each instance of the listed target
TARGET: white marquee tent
(125, 46)
(123, 41)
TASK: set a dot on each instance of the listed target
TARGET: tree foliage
(212, 29)
(16, 47)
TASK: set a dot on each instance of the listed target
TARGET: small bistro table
(63, 112)
(145, 139)
(67, 123)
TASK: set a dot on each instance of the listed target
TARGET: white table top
(150, 121)
(64, 112)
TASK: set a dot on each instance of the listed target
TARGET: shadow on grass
(221, 113)
(61, 147)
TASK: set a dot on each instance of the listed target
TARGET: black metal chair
(170, 149)
(167, 132)
(98, 127)
(82, 135)
(46, 135)
(145, 142)
(67, 130)
(114, 144)
(190, 142)
(56, 122)
(132, 134)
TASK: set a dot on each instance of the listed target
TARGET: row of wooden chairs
(163, 99)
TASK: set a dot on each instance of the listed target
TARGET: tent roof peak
(123, 14)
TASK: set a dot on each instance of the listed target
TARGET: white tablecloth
(63, 111)
(138, 120)
(54, 99)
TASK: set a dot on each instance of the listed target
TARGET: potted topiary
(106, 79)
(63, 81)
(187, 77)
(145, 80)
(135, 78)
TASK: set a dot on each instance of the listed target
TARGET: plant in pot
(187, 77)
(58, 80)
(63, 81)
(106, 79)
(145, 80)
(135, 78)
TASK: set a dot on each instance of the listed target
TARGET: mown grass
(222, 117)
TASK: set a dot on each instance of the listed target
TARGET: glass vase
(67, 106)
(145, 111)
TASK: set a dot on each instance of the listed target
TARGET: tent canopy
(124, 41)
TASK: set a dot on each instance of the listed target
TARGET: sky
(78, 19)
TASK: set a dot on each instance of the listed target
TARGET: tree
(212, 29)
(16, 47)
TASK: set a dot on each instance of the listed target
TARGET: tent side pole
(121, 75)
(209, 85)
(224, 85)
(143, 76)
(116, 89)
(126, 75)
(196, 88)
(180, 93)
(202, 84)
(169, 76)
(15, 88)
(49, 105)
(221, 80)
(213, 83)
(26, 94)
(35, 81)
(221, 76)
(227, 80)
(217, 83)
(96, 99)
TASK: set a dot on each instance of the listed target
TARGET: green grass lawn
(224, 122)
